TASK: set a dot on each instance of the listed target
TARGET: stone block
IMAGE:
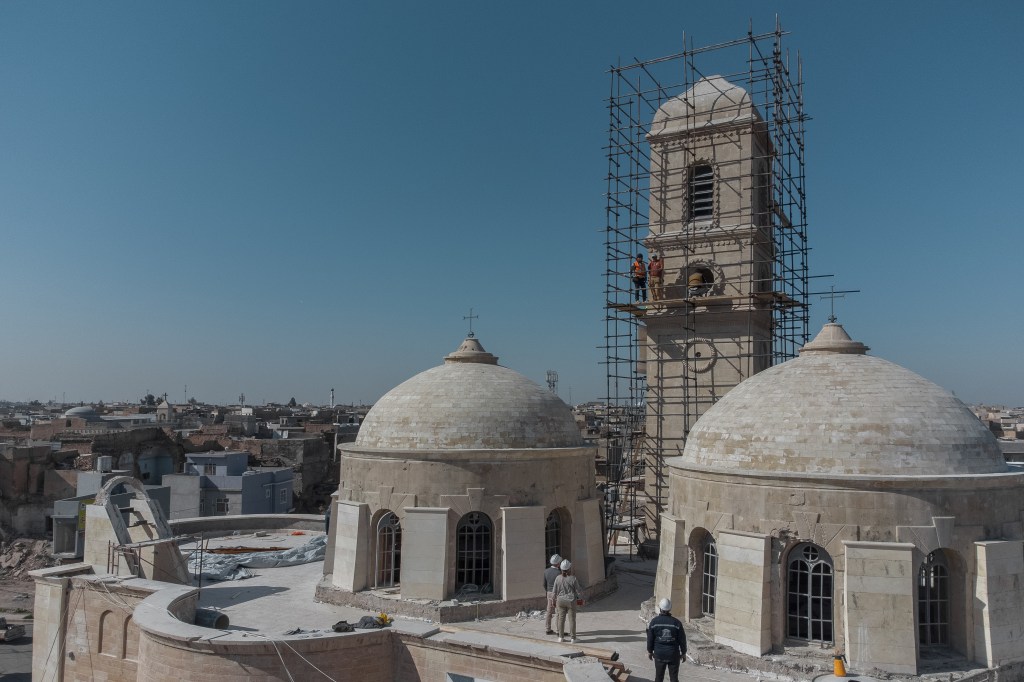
(878, 602)
(522, 551)
(588, 542)
(999, 601)
(671, 579)
(425, 553)
(351, 546)
(742, 609)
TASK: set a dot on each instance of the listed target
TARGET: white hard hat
(566, 565)
(555, 560)
(665, 605)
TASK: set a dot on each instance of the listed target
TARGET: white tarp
(236, 566)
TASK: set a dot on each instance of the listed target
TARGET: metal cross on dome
(470, 317)
(833, 295)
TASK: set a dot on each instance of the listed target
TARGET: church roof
(469, 403)
(836, 410)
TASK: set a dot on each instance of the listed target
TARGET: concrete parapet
(215, 526)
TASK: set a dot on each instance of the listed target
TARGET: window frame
(709, 576)
(388, 551)
(553, 534)
(701, 192)
(474, 551)
(810, 593)
(933, 601)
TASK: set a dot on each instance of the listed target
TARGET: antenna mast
(553, 381)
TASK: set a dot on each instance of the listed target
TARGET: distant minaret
(332, 398)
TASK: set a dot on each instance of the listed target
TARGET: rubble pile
(19, 556)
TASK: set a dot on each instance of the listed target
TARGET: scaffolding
(633, 432)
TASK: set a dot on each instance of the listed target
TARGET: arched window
(809, 594)
(709, 583)
(130, 640)
(553, 535)
(701, 192)
(108, 635)
(389, 551)
(473, 551)
(933, 600)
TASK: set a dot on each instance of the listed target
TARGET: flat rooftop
(278, 601)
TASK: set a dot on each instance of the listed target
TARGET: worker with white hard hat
(666, 642)
(568, 596)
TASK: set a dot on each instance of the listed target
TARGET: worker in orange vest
(639, 278)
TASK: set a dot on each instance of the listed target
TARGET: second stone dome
(469, 403)
(836, 411)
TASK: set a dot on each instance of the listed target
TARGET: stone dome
(469, 403)
(837, 411)
(87, 412)
(711, 100)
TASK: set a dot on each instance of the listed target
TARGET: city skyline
(275, 200)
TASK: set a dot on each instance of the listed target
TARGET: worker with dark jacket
(666, 642)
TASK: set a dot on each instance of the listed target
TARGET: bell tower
(708, 175)
(709, 221)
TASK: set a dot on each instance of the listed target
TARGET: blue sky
(278, 198)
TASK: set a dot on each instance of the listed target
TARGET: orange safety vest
(639, 270)
(656, 267)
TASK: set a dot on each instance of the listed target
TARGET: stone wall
(830, 508)
(421, 658)
(28, 487)
(101, 637)
(951, 513)
(107, 635)
(552, 478)
(366, 657)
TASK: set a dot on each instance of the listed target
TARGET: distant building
(85, 420)
(222, 483)
(165, 413)
(69, 514)
(244, 424)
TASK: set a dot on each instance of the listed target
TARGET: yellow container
(838, 667)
